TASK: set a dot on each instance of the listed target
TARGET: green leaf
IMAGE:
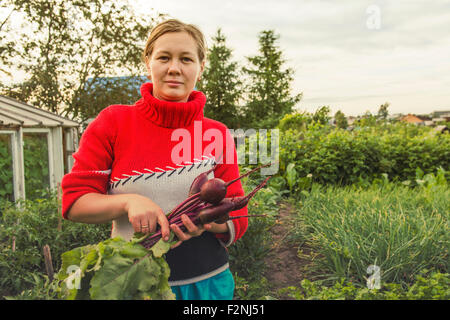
(132, 273)
(115, 280)
(116, 269)
(73, 270)
(161, 247)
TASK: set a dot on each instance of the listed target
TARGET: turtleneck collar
(170, 114)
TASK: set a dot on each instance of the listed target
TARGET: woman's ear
(147, 66)
(202, 68)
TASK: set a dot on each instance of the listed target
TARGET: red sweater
(154, 148)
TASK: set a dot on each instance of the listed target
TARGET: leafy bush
(434, 286)
(247, 254)
(304, 120)
(250, 290)
(41, 288)
(341, 157)
(29, 227)
(295, 121)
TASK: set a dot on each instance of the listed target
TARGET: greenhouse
(36, 149)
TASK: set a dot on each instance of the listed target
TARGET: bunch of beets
(206, 203)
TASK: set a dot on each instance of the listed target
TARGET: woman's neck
(170, 114)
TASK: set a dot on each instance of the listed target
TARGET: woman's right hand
(144, 214)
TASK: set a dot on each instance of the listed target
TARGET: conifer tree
(269, 86)
(341, 120)
(220, 83)
(383, 111)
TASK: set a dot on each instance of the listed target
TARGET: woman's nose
(174, 66)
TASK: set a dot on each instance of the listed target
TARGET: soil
(286, 265)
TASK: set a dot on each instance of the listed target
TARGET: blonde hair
(174, 25)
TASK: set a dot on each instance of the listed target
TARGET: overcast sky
(352, 55)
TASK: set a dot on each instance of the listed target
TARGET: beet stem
(191, 207)
(184, 205)
(248, 216)
(262, 184)
(246, 174)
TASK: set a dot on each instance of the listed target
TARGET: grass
(402, 230)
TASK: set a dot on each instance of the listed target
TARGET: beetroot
(207, 205)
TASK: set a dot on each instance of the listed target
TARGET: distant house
(441, 114)
(394, 116)
(410, 118)
(351, 120)
(441, 129)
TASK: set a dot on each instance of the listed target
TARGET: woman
(125, 172)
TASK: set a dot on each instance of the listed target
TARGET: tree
(112, 90)
(383, 111)
(296, 121)
(322, 115)
(269, 87)
(367, 120)
(220, 83)
(341, 120)
(4, 30)
(65, 46)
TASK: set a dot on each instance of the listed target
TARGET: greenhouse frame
(36, 148)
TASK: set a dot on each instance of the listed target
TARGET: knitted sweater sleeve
(227, 170)
(92, 165)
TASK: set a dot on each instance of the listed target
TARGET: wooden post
(59, 207)
(48, 262)
(14, 244)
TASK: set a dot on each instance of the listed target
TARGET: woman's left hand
(192, 230)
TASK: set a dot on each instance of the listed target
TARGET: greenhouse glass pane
(35, 154)
(6, 168)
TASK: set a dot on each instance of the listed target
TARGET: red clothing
(130, 149)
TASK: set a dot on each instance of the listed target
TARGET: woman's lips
(173, 83)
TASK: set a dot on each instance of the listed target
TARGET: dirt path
(284, 266)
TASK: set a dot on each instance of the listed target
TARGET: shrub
(434, 286)
(341, 157)
(247, 254)
(30, 226)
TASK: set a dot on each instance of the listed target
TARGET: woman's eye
(163, 58)
(187, 59)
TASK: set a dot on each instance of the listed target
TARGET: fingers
(144, 215)
(164, 223)
(190, 226)
(136, 225)
(144, 223)
(192, 230)
(176, 244)
(146, 226)
(147, 223)
(179, 233)
(207, 226)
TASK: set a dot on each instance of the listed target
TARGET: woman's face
(174, 66)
